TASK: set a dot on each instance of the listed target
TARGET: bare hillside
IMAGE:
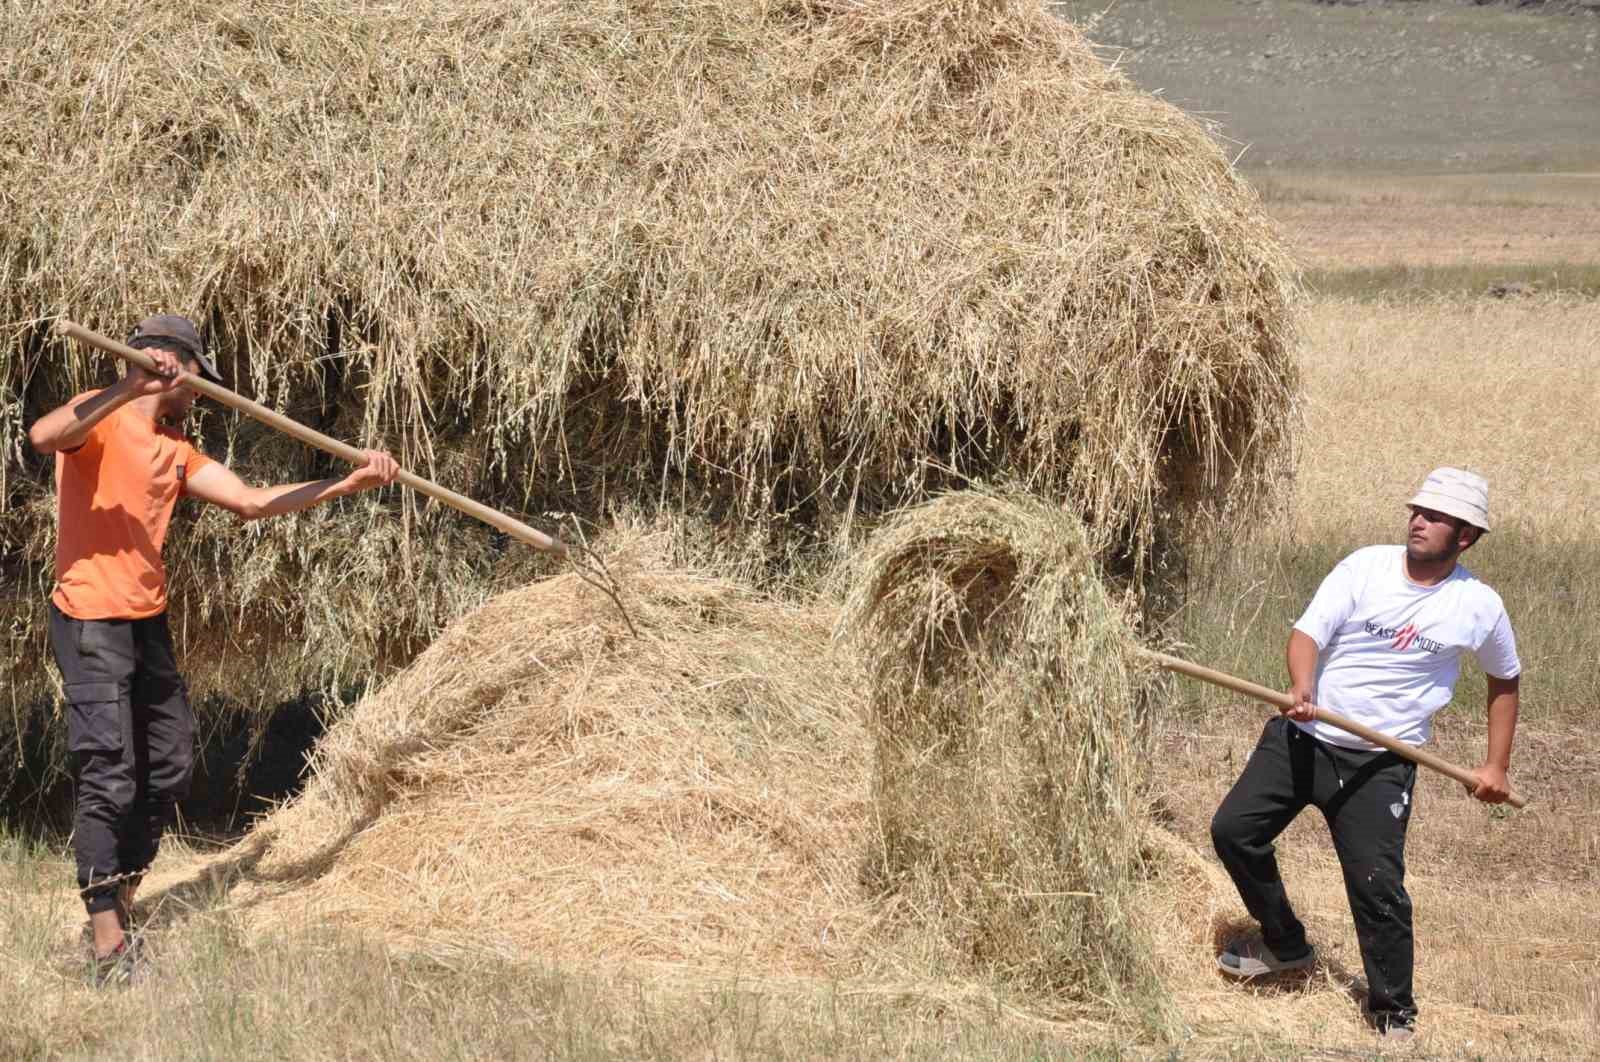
(1425, 84)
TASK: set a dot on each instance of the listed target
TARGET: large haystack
(541, 785)
(772, 262)
(1009, 762)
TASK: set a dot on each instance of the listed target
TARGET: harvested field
(543, 839)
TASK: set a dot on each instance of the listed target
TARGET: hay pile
(1009, 758)
(736, 791)
(543, 786)
(769, 264)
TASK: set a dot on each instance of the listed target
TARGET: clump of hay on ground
(542, 785)
(780, 264)
(1007, 779)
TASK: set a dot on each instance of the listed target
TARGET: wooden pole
(493, 517)
(1282, 700)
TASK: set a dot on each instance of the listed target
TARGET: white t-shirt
(1390, 650)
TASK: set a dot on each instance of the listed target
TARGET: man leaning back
(1381, 643)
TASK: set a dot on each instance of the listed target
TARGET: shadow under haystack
(1009, 755)
(765, 270)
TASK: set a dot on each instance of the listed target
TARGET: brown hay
(541, 785)
(775, 261)
(1009, 760)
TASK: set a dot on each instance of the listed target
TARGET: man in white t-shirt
(1381, 643)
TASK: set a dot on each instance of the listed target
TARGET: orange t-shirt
(115, 495)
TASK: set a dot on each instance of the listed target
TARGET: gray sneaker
(1252, 958)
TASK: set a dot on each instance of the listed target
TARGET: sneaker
(123, 968)
(1252, 958)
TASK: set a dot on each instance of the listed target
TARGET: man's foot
(124, 967)
(1252, 958)
(1393, 1034)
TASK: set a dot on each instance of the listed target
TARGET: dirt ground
(1360, 221)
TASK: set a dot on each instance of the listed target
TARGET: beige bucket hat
(1458, 493)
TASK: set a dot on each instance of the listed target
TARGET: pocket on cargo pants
(94, 717)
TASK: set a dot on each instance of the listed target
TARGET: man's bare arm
(66, 427)
(1504, 704)
(217, 484)
(1301, 654)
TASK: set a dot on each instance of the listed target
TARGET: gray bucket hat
(1458, 493)
(168, 330)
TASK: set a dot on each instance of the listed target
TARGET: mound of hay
(1009, 764)
(541, 785)
(773, 262)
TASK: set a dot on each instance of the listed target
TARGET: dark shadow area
(246, 764)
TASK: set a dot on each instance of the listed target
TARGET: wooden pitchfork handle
(1283, 700)
(588, 565)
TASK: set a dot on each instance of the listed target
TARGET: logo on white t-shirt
(1403, 638)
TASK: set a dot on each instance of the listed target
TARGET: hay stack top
(817, 247)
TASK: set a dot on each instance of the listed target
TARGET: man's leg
(163, 746)
(96, 662)
(1368, 819)
(1274, 787)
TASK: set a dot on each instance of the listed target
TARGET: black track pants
(1366, 799)
(131, 735)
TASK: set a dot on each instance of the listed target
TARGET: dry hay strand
(778, 261)
(539, 784)
(1008, 753)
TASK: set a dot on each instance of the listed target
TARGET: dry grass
(770, 263)
(1575, 189)
(1507, 388)
(1007, 764)
(314, 991)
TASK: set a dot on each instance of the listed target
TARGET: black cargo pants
(131, 734)
(1366, 799)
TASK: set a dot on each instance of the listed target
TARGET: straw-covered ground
(775, 266)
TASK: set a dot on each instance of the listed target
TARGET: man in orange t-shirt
(120, 466)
